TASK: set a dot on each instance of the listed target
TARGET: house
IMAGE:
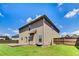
(4, 38)
(41, 31)
(15, 37)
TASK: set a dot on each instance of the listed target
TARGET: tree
(67, 36)
(75, 35)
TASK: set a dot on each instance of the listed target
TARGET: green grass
(55, 50)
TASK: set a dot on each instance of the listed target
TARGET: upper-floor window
(29, 27)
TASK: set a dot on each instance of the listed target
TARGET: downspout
(43, 30)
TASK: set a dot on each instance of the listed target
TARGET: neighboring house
(4, 38)
(40, 31)
(15, 37)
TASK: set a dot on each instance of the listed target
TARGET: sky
(14, 15)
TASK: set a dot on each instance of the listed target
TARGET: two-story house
(40, 31)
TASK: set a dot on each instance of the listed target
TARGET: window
(26, 37)
(21, 38)
(29, 27)
(40, 38)
(31, 37)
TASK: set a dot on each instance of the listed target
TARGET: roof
(15, 36)
(46, 18)
(3, 36)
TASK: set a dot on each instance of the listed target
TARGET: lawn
(55, 50)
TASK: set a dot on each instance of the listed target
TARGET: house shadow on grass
(77, 43)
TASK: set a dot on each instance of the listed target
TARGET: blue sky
(64, 16)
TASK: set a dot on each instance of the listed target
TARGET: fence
(67, 41)
(8, 41)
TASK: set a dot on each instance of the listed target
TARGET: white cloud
(37, 16)
(9, 34)
(72, 13)
(60, 26)
(1, 14)
(29, 19)
(75, 32)
(64, 33)
(9, 29)
(59, 4)
(14, 31)
(22, 21)
(6, 34)
(71, 33)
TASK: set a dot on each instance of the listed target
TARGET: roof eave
(44, 16)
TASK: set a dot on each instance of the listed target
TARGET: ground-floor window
(31, 37)
(40, 38)
(26, 39)
(21, 38)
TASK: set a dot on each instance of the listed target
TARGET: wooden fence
(8, 41)
(67, 41)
